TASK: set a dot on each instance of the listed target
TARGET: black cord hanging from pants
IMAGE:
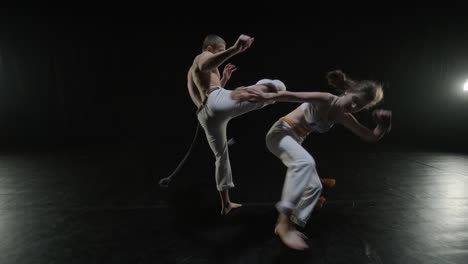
(164, 182)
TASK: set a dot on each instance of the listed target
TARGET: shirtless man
(216, 106)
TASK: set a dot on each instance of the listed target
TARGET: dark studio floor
(103, 205)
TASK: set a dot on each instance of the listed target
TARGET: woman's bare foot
(291, 237)
(228, 207)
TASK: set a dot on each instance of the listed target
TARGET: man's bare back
(199, 82)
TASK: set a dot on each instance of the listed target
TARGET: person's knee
(222, 156)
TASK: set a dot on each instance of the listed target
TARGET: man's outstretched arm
(209, 61)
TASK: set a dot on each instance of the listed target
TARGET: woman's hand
(242, 94)
(383, 118)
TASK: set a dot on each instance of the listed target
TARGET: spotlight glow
(465, 87)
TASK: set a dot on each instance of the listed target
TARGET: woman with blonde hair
(318, 112)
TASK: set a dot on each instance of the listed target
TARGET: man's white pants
(214, 116)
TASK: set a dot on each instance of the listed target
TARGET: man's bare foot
(291, 237)
(227, 208)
